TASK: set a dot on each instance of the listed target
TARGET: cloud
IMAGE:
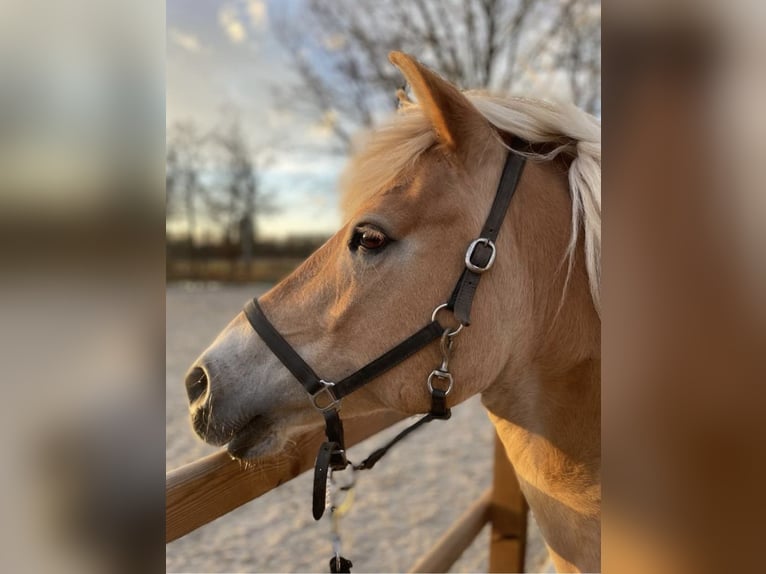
(323, 129)
(188, 42)
(231, 24)
(292, 163)
(256, 9)
(334, 42)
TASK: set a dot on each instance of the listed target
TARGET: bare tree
(579, 27)
(339, 50)
(211, 178)
(184, 188)
(236, 198)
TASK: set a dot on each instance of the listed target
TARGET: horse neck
(549, 424)
(546, 403)
(547, 412)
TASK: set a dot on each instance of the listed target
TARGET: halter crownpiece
(326, 396)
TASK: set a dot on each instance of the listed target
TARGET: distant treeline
(290, 247)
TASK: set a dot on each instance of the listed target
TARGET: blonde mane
(577, 134)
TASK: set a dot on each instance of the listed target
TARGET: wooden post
(509, 517)
(460, 535)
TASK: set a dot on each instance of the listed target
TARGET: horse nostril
(196, 383)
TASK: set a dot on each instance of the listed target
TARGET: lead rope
(341, 498)
(339, 507)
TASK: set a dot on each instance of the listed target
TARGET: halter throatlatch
(326, 396)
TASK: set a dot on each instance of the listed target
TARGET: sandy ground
(402, 507)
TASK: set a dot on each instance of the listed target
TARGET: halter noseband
(326, 396)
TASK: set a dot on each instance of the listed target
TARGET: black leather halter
(326, 396)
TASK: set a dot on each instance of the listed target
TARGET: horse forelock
(384, 153)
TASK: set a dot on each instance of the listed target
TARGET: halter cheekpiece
(326, 396)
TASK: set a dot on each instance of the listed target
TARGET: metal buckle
(444, 375)
(436, 312)
(326, 390)
(469, 253)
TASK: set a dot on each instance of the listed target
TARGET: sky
(224, 53)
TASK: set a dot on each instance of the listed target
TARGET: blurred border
(684, 286)
(82, 130)
(82, 218)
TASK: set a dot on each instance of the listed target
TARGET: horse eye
(370, 239)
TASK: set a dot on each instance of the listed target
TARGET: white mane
(574, 132)
(538, 121)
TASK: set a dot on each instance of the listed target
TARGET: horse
(413, 197)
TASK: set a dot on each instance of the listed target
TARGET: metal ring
(469, 253)
(447, 376)
(436, 312)
(326, 389)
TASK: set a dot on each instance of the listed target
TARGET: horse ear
(453, 117)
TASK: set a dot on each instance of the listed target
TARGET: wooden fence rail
(206, 489)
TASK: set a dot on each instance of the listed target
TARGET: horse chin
(260, 437)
